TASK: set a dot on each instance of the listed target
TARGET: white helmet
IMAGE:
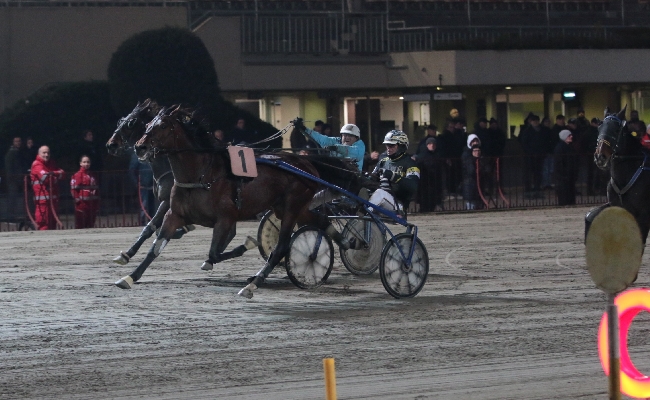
(397, 137)
(351, 129)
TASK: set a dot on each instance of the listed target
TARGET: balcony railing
(373, 34)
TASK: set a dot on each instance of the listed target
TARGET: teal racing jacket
(355, 152)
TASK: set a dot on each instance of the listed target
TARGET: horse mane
(146, 110)
(196, 125)
(629, 144)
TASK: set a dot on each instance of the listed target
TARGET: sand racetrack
(508, 312)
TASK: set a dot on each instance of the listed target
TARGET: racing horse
(207, 193)
(629, 166)
(129, 130)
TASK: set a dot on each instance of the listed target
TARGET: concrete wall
(42, 45)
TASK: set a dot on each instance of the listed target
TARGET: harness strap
(162, 176)
(199, 185)
(642, 167)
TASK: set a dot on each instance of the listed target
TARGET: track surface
(509, 312)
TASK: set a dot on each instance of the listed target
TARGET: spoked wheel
(310, 259)
(398, 279)
(365, 260)
(268, 233)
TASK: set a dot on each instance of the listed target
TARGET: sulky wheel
(370, 239)
(398, 279)
(268, 232)
(310, 259)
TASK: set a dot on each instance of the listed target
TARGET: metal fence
(372, 34)
(503, 187)
(313, 35)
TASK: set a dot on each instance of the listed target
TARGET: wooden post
(330, 379)
(614, 350)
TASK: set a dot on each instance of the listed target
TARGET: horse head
(167, 132)
(131, 128)
(610, 133)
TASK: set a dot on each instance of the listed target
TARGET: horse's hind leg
(278, 253)
(146, 233)
(216, 248)
(170, 224)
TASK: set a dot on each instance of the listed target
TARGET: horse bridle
(607, 138)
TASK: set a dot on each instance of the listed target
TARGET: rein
(621, 192)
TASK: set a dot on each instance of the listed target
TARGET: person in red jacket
(84, 188)
(45, 177)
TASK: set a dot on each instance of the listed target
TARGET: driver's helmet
(351, 129)
(399, 138)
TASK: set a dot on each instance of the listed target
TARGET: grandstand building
(381, 64)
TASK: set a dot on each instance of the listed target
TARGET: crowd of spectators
(454, 163)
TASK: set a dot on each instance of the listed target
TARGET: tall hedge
(172, 65)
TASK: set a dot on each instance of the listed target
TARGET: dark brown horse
(629, 165)
(206, 192)
(129, 130)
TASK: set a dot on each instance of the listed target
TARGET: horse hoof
(125, 283)
(122, 259)
(248, 291)
(250, 243)
(206, 266)
(189, 228)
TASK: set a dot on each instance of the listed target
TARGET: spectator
(498, 139)
(93, 150)
(84, 189)
(547, 156)
(327, 130)
(471, 160)
(30, 153)
(318, 126)
(241, 134)
(45, 176)
(645, 140)
(554, 139)
(481, 130)
(582, 121)
(595, 177)
(431, 132)
(445, 141)
(566, 169)
(15, 171)
(430, 164)
(142, 176)
(533, 140)
(634, 117)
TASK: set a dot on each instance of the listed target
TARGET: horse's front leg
(170, 224)
(216, 254)
(278, 253)
(146, 233)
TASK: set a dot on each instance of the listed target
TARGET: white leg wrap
(122, 259)
(206, 266)
(248, 291)
(125, 283)
(250, 243)
(158, 246)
